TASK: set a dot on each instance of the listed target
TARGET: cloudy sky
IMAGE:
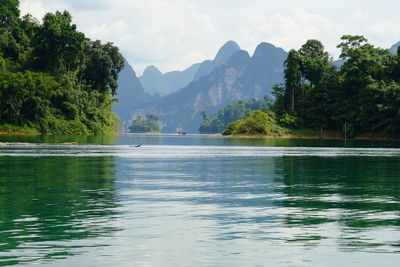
(173, 34)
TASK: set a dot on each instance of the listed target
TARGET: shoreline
(285, 136)
(20, 133)
(327, 137)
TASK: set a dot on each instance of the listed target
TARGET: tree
(292, 77)
(42, 67)
(148, 125)
(152, 117)
(103, 63)
(203, 114)
(9, 13)
(350, 43)
(234, 111)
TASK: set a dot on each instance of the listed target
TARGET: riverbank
(19, 133)
(313, 134)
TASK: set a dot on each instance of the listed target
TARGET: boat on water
(139, 145)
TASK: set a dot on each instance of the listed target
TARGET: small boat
(137, 145)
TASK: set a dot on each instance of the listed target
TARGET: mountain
(179, 79)
(154, 82)
(264, 70)
(394, 48)
(130, 93)
(235, 77)
(224, 53)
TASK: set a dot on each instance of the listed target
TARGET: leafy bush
(232, 112)
(256, 123)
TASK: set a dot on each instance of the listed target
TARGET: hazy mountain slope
(179, 79)
(393, 49)
(264, 70)
(241, 78)
(224, 53)
(130, 93)
(153, 82)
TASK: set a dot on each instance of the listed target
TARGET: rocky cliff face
(222, 57)
(156, 83)
(240, 77)
(394, 48)
(153, 82)
(130, 93)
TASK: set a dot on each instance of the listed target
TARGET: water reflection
(196, 205)
(47, 203)
(197, 140)
(360, 197)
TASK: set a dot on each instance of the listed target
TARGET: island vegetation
(256, 123)
(149, 124)
(52, 78)
(218, 122)
(361, 97)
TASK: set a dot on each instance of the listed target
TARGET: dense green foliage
(363, 94)
(52, 78)
(145, 125)
(216, 123)
(256, 123)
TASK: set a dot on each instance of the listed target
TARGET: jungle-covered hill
(52, 78)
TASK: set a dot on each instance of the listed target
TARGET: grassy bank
(315, 134)
(17, 130)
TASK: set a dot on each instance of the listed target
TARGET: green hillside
(52, 78)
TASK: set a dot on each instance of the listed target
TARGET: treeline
(218, 122)
(361, 96)
(52, 78)
(145, 125)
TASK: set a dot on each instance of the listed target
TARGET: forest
(145, 125)
(216, 123)
(360, 97)
(53, 79)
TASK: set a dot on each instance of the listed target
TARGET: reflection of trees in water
(358, 195)
(46, 201)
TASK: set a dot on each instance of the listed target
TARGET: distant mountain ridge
(235, 76)
(223, 55)
(130, 93)
(394, 48)
(156, 83)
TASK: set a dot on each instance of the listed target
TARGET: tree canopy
(52, 78)
(216, 123)
(145, 125)
(364, 93)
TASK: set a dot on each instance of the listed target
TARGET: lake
(198, 201)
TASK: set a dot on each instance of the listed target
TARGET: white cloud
(35, 8)
(287, 31)
(205, 21)
(173, 34)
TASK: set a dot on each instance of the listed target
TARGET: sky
(173, 34)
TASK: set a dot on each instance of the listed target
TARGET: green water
(199, 201)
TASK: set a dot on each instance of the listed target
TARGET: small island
(145, 125)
